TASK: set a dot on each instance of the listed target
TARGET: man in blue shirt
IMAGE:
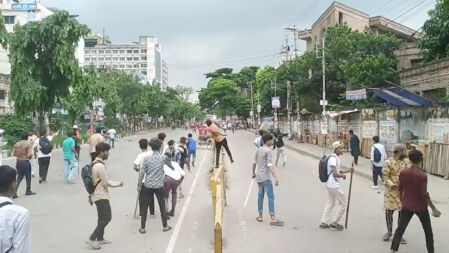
(70, 156)
(191, 148)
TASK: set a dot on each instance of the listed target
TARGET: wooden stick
(349, 196)
(135, 208)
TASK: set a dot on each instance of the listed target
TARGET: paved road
(62, 219)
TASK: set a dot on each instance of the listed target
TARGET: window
(144, 50)
(122, 58)
(9, 20)
(136, 58)
(108, 58)
(87, 59)
(114, 66)
(122, 51)
(144, 58)
(100, 59)
(114, 51)
(144, 73)
(136, 66)
(340, 18)
(101, 51)
(129, 59)
(129, 51)
(108, 51)
(144, 65)
(115, 58)
(129, 66)
(136, 51)
(94, 58)
(122, 66)
(2, 94)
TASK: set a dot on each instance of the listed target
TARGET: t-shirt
(191, 144)
(67, 146)
(175, 174)
(140, 157)
(15, 233)
(413, 189)
(333, 182)
(383, 153)
(263, 161)
(153, 170)
(38, 147)
(112, 133)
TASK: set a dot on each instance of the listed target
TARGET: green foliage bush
(13, 126)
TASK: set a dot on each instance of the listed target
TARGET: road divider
(218, 190)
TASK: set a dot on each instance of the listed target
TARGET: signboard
(259, 108)
(24, 7)
(343, 126)
(387, 134)
(369, 129)
(356, 94)
(436, 129)
(324, 128)
(275, 102)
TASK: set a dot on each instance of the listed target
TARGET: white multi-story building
(142, 59)
(164, 83)
(21, 12)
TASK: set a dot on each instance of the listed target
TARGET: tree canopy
(435, 39)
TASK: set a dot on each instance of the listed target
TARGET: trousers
(335, 197)
(104, 217)
(218, 145)
(377, 172)
(170, 185)
(147, 194)
(24, 170)
(44, 162)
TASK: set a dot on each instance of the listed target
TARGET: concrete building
(164, 83)
(142, 59)
(340, 14)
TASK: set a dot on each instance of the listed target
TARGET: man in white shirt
(32, 138)
(112, 133)
(143, 144)
(378, 157)
(15, 235)
(336, 196)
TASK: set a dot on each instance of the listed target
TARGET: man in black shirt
(279, 143)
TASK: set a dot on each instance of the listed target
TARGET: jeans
(266, 186)
(104, 217)
(170, 185)
(44, 162)
(406, 216)
(148, 194)
(24, 169)
(192, 156)
(70, 168)
(335, 195)
(377, 172)
(218, 146)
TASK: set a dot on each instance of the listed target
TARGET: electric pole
(274, 86)
(252, 105)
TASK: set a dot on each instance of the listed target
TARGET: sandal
(142, 231)
(259, 219)
(277, 223)
(167, 228)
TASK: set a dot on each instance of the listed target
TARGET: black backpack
(322, 169)
(377, 155)
(45, 146)
(88, 180)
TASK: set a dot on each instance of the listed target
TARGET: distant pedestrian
(184, 153)
(336, 197)
(264, 165)
(415, 200)
(161, 137)
(258, 141)
(70, 157)
(220, 141)
(378, 157)
(77, 137)
(153, 171)
(112, 134)
(15, 234)
(191, 149)
(143, 145)
(42, 150)
(392, 200)
(24, 152)
(354, 144)
(279, 144)
(93, 141)
(76, 131)
(32, 138)
(100, 196)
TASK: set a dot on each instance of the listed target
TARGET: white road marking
(174, 236)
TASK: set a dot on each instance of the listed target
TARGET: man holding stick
(334, 191)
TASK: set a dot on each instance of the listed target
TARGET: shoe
(30, 193)
(324, 225)
(44, 181)
(40, 181)
(71, 182)
(95, 245)
(387, 236)
(171, 213)
(142, 231)
(232, 161)
(104, 241)
(14, 196)
(403, 241)
(181, 196)
(337, 226)
(375, 187)
(152, 216)
(167, 228)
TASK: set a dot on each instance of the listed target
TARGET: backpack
(88, 180)
(377, 155)
(45, 145)
(322, 169)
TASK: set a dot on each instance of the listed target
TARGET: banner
(356, 94)
(275, 102)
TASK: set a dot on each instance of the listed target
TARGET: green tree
(43, 63)
(14, 125)
(435, 40)
(221, 96)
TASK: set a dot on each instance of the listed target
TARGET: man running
(191, 149)
(415, 200)
(263, 163)
(24, 152)
(100, 196)
(15, 234)
(220, 141)
(279, 144)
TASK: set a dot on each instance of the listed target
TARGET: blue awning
(401, 97)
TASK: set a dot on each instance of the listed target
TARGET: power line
(307, 10)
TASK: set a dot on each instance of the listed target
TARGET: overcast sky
(199, 36)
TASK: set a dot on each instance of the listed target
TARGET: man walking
(415, 199)
(220, 141)
(153, 171)
(392, 199)
(24, 152)
(335, 193)
(263, 163)
(15, 234)
(112, 133)
(354, 145)
(93, 141)
(143, 145)
(191, 150)
(70, 156)
(279, 144)
(100, 196)
(378, 157)
(173, 178)
(43, 154)
(258, 141)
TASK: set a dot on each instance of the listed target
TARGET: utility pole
(274, 86)
(324, 102)
(289, 87)
(295, 37)
(252, 105)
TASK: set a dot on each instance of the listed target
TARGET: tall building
(164, 83)
(142, 59)
(341, 14)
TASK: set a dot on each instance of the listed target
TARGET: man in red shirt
(220, 140)
(414, 199)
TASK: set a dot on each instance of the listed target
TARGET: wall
(407, 54)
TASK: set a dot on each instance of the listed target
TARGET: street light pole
(252, 105)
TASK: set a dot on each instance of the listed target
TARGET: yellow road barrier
(218, 190)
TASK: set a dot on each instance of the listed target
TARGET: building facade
(341, 14)
(164, 83)
(142, 59)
